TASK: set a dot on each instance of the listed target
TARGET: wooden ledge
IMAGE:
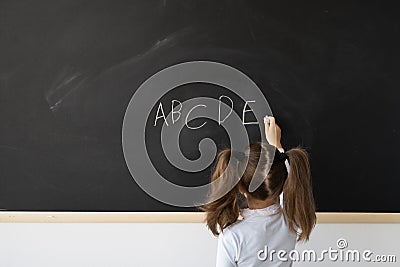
(173, 217)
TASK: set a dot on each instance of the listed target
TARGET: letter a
(160, 108)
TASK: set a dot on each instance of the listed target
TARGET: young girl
(280, 211)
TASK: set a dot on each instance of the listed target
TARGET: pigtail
(298, 201)
(223, 211)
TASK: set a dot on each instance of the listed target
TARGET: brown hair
(298, 201)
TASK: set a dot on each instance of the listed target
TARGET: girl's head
(298, 201)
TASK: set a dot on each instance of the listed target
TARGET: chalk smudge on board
(165, 43)
(70, 80)
(65, 84)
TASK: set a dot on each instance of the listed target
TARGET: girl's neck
(260, 204)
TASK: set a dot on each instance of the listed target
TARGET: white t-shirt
(260, 229)
(266, 229)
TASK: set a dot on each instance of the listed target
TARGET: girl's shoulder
(235, 230)
(234, 226)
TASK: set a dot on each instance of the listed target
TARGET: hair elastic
(281, 156)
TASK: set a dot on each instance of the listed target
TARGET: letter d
(260, 253)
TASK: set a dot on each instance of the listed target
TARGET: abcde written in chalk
(184, 111)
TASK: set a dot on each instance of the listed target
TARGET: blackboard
(68, 70)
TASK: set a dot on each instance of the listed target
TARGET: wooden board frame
(171, 217)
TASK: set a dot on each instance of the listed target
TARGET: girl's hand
(272, 132)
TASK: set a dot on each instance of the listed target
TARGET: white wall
(175, 245)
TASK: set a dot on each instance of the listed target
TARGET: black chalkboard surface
(68, 70)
